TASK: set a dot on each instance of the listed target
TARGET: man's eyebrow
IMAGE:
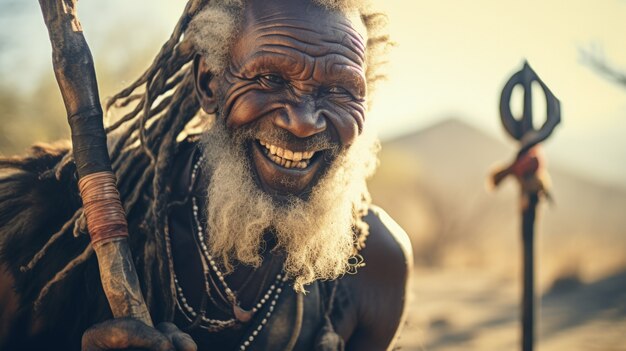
(272, 59)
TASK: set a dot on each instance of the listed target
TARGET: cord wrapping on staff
(102, 206)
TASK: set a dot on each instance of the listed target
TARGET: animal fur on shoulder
(39, 200)
(36, 198)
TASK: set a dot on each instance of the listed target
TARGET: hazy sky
(454, 57)
(452, 60)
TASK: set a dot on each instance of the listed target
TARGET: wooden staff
(106, 220)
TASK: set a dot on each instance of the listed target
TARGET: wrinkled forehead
(309, 27)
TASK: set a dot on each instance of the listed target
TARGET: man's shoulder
(387, 255)
(387, 241)
(380, 288)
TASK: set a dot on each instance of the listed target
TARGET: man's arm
(381, 287)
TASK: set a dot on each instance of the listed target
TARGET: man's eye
(338, 91)
(271, 79)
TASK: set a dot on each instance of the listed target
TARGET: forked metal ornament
(523, 129)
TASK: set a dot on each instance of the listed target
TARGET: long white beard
(316, 236)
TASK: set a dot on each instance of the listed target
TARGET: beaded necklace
(210, 267)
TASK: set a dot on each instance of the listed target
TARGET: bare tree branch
(594, 58)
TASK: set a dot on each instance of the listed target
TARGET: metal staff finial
(527, 169)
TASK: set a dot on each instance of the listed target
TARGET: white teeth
(287, 158)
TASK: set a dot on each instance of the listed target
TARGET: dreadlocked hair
(159, 109)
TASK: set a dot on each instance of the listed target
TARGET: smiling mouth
(287, 158)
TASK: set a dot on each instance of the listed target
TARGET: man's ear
(205, 85)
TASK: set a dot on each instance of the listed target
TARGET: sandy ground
(476, 310)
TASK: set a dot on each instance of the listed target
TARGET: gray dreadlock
(161, 107)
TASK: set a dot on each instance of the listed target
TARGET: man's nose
(301, 119)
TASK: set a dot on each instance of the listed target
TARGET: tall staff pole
(527, 169)
(106, 220)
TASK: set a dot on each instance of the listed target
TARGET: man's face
(296, 83)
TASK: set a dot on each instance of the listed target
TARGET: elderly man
(257, 234)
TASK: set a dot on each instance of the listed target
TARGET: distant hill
(433, 182)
